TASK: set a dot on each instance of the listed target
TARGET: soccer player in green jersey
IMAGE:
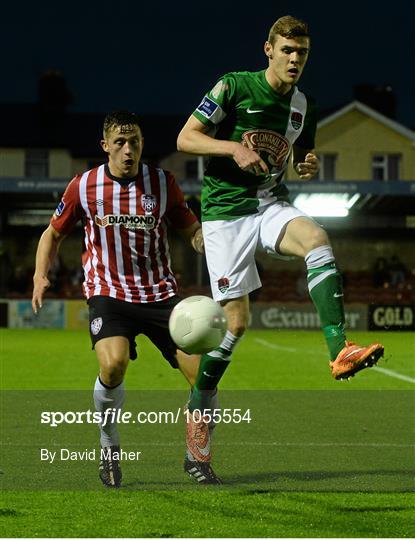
(250, 124)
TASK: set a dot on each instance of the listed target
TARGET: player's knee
(112, 372)
(317, 238)
(238, 328)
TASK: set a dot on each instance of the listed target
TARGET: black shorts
(109, 317)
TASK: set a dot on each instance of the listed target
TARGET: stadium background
(368, 163)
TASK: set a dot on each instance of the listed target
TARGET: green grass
(319, 459)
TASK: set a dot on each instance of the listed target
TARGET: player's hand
(40, 285)
(198, 242)
(309, 167)
(248, 160)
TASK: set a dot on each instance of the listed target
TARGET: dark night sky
(161, 57)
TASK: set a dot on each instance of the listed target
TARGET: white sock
(319, 257)
(106, 398)
(229, 342)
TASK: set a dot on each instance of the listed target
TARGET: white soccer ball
(197, 324)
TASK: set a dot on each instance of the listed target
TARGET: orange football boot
(353, 358)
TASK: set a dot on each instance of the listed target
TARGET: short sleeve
(218, 102)
(69, 210)
(178, 214)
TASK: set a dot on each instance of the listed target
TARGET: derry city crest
(148, 202)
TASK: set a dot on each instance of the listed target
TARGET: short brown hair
(119, 119)
(288, 27)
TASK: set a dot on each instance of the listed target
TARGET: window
(327, 167)
(37, 163)
(385, 167)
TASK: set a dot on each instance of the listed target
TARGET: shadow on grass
(313, 481)
(9, 512)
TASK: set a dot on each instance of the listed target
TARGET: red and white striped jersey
(126, 252)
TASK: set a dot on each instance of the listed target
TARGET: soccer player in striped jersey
(250, 124)
(126, 208)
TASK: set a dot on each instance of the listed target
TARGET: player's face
(124, 145)
(287, 59)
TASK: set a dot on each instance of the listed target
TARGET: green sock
(212, 367)
(326, 291)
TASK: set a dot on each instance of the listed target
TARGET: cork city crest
(148, 202)
(223, 285)
(296, 120)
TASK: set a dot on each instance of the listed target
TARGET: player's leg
(156, 329)
(188, 365)
(113, 355)
(201, 472)
(230, 250)
(113, 342)
(204, 395)
(303, 237)
(230, 254)
(214, 364)
(203, 400)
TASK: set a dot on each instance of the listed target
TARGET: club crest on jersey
(274, 146)
(126, 220)
(96, 326)
(148, 202)
(223, 285)
(296, 120)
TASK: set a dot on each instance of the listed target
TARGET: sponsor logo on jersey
(127, 220)
(207, 107)
(59, 209)
(99, 202)
(275, 147)
(223, 284)
(296, 120)
(96, 326)
(148, 202)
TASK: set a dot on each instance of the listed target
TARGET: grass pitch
(319, 458)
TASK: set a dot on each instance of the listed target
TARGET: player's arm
(194, 139)
(47, 250)
(305, 162)
(181, 217)
(193, 234)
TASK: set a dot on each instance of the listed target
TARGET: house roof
(368, 111)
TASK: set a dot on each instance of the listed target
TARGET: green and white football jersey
(243, 107)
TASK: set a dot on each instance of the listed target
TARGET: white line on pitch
(391, 373)
(261, 443)
(273, 346)
(385, 371)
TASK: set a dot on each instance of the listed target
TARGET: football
(197, 324)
